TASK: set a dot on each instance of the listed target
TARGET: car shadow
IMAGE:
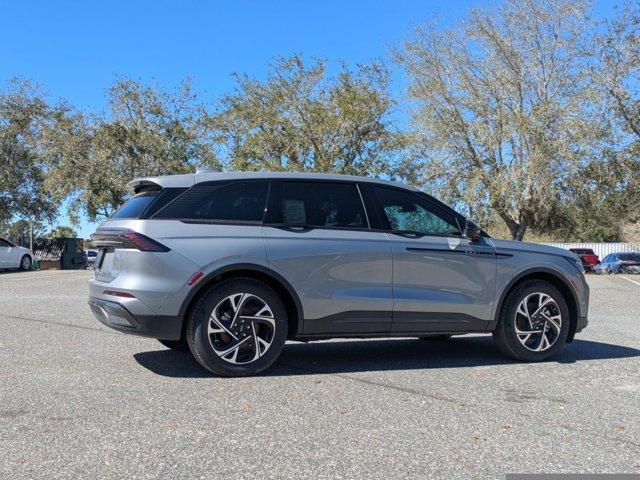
(381, 355)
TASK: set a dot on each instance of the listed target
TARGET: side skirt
(384, 324)
(327, 336)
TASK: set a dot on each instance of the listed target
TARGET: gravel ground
(79, 400)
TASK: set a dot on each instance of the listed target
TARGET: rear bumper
(117, 317)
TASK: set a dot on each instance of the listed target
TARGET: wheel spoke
(237, 307)
(220, 327)
(554, 322)
(260, 319)
(544, 343)
(233, 350)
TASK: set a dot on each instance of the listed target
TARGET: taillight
(144, 243)
(127, 239)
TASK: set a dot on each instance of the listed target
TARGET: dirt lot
(79, 400)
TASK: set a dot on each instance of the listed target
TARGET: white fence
(600, 249)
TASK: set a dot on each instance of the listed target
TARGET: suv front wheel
(533, 323)
(237, 328)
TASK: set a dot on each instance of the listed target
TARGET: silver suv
(231, 265)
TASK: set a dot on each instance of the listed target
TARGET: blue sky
(75, 49)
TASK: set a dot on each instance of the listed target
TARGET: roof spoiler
(139, 184)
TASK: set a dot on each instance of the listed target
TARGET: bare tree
(503, 106)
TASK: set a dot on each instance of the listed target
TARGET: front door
(317, 236)
(441, 281)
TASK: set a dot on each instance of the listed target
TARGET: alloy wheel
(241, 328)
(538, 322)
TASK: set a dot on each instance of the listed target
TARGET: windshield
(629, 257)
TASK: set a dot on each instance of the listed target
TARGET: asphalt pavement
(78, 400)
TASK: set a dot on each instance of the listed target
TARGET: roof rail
(206, 169)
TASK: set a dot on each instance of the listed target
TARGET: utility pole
(31, 235)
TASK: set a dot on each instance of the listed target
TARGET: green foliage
(26, 122)
(62, 231)
(300, 119)
(147, 132)
(18, 231)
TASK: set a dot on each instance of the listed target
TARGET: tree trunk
(516, 229)
(519, 232)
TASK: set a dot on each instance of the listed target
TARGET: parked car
(587, 256)
(14, 256)
(230, 265)
(620, 262)
(91, 256)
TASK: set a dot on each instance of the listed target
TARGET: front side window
(407, 212)
(233, 202)
(321, 204)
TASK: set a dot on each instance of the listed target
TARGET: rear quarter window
(136, 205)
(226, 202)
(145, 204)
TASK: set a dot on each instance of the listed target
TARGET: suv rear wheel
(237, 328)
(533, 323)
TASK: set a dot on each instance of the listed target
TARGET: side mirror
(471, 231)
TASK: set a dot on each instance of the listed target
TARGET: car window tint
(237, 201)
(164, 198)
(4, 243)
(322, 204)
(136, 205)
(406, 211)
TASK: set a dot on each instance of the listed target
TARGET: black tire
(505, 335)
(436, 338)
(200, 341)
(177, 345)
(25, 263)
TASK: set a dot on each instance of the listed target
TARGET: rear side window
(136, 205)
(145, 204)
(322, 204)
(233, 202)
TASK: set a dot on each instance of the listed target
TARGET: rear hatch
(123, 231)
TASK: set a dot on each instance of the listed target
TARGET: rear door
(441, 281)
(317, 236)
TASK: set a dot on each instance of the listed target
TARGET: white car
(12, 256)
(91, 254)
